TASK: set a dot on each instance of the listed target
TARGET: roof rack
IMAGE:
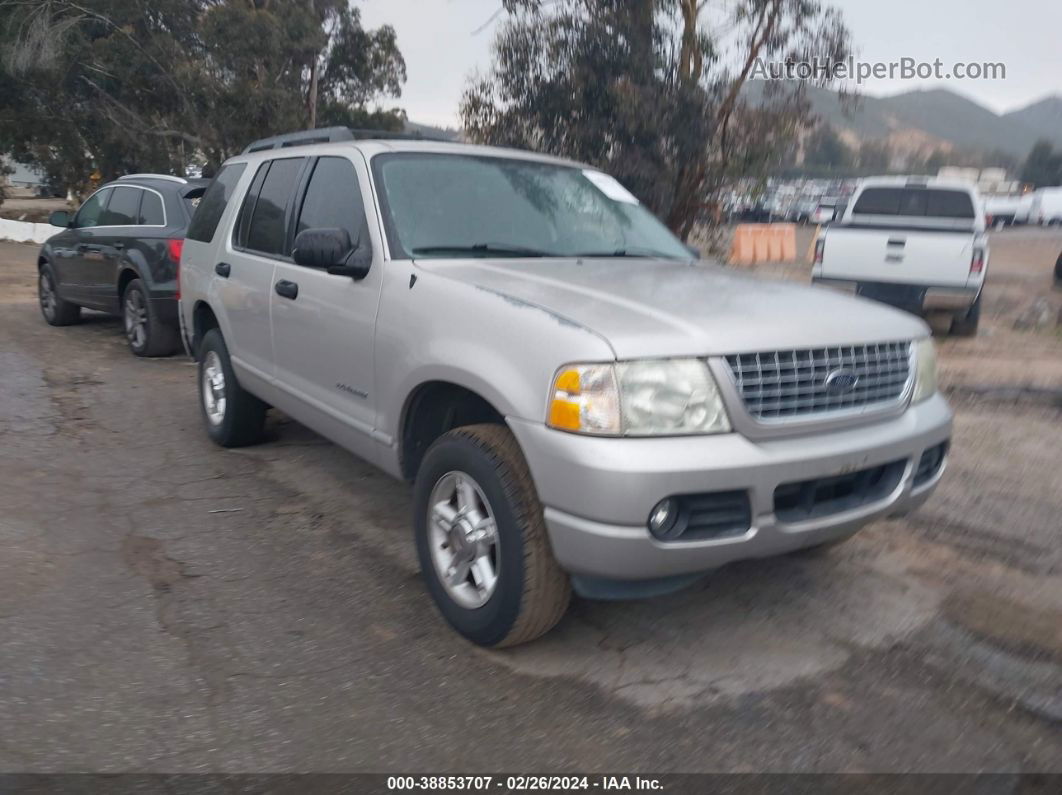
(167, 177)
(324, 135)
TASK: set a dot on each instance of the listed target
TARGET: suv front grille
(799, 384)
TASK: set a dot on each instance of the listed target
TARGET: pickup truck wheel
(147, 335)
(233, 416)
(482, 541)
(966, 325)
(55, 310)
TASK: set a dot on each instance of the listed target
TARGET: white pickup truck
(914, 242)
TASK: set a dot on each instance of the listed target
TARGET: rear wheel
(233, 416)
(482, 542)
(147, 335)
(55, 310)
(966, 325)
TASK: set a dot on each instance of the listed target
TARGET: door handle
(82, 248)
(119, 245)
(287, 289)
(898, 241)
(223, 269)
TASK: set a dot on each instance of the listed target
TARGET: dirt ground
(30, 209)
(168, 606)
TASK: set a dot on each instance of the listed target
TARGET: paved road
(169, 606)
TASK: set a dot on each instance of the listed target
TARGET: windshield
(456, 206)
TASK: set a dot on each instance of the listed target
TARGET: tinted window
(191, 200)
(239, 237)
(215, 200)
(879, 201)
(919, 202)
(151, 213)
(333, 199)
(123, 207)
(949, 204)
(267, 231)
(91, 210)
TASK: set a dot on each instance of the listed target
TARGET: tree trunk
(311, 100)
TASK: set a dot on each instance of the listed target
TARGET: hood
(648, 308)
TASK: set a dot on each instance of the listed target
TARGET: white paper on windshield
(610, 187)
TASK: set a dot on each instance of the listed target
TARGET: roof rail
(325, 135)
(168, 177)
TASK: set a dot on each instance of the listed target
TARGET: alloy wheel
(213, 387)
(46, 291)
(136, 319)
(463, 537)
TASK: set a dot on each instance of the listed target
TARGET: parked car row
(119, 253)
(577, 403)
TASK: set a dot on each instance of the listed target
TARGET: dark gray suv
(119, 254)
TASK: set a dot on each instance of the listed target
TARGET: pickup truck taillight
(820, 249)
(977, 263)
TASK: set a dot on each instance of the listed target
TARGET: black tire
(243, 414)
(532, 592)
(54, 310)
(145, 333)
(966, 325)
(1058, 269)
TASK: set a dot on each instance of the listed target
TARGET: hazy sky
(441, 48)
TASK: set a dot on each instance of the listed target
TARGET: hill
(937, 118)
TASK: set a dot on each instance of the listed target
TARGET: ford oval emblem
(840, 381)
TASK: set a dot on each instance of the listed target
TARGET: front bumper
(918, 297)
(598, 492)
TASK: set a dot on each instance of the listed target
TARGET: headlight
(659, 397)
(925, 370)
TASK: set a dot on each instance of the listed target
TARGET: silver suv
(579, 403)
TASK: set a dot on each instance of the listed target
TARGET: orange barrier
(754, 243)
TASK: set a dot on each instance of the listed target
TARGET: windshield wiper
(501, 249)
(639, 253)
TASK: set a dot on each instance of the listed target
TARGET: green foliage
(133, 85)
(826, 150)
(874, 157)
(639, 88)
(1043, 167)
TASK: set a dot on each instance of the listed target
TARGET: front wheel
(482, 541)
(55, 310)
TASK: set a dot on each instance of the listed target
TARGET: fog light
(663, 518)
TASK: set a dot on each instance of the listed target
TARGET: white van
(1046, 207)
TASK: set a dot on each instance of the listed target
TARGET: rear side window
(191, 200)
(333, 199)
(151, 213)
(123, 208)
(215, 200)
(267, 232)
(917, 202)
(949, 204)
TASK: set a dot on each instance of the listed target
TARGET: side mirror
(334, 251)
(59, 218)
